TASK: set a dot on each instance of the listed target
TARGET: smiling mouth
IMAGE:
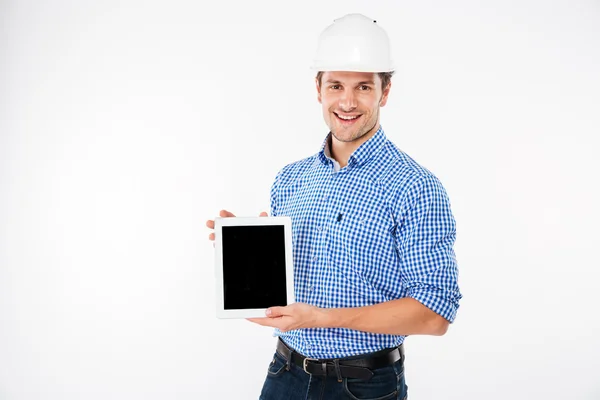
(347, 119)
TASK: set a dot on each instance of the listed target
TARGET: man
(373, 238)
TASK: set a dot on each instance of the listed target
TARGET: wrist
(325, 318)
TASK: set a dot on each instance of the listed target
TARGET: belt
(354, 367)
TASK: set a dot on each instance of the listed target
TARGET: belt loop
(290, 355)
(288, 365)
(338, 371)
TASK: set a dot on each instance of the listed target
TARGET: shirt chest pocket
(360, 237)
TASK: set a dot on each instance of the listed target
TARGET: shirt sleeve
(425, 238)
(273, 197)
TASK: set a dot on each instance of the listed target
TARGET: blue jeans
(294, 384)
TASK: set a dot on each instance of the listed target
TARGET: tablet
(253, 265)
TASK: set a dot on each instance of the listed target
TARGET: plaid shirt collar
(360, 156)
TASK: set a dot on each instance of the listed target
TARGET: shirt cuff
(436, 302)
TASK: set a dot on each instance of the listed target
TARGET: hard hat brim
(352, 68)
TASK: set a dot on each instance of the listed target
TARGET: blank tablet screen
(254, 267)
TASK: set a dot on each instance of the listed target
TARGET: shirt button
(308, 346)
(315, 258)
(319, 228)
(310, 288)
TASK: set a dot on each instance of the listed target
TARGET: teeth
(347, 118)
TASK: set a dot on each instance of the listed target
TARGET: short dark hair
(386, 78)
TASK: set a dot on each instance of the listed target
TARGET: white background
(125, 125)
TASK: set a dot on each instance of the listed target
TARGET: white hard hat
(353, 42)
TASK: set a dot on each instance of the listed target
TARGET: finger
(210, 224)
(211, 236)
(275, 312)
(226, 214)
(263, 214)
(263, 321)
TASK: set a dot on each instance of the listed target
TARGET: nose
(348, 100)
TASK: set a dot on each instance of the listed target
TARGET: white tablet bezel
(286, 222)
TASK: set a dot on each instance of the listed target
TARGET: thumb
(226, 214)
(263, 214)
(275, 312)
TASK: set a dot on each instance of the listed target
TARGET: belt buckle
(305, 361)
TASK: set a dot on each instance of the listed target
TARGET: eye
(364, 87)
(334, 87)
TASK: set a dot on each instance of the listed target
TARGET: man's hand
(294, 316)
(224, 214)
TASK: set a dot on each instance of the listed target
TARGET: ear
(385, 95)
(318, 90)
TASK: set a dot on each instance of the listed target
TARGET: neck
(341, 151)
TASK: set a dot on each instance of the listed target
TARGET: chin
(345, 137)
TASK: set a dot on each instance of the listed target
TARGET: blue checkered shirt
(376, 230)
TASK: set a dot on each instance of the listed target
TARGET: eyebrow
(359, 83)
